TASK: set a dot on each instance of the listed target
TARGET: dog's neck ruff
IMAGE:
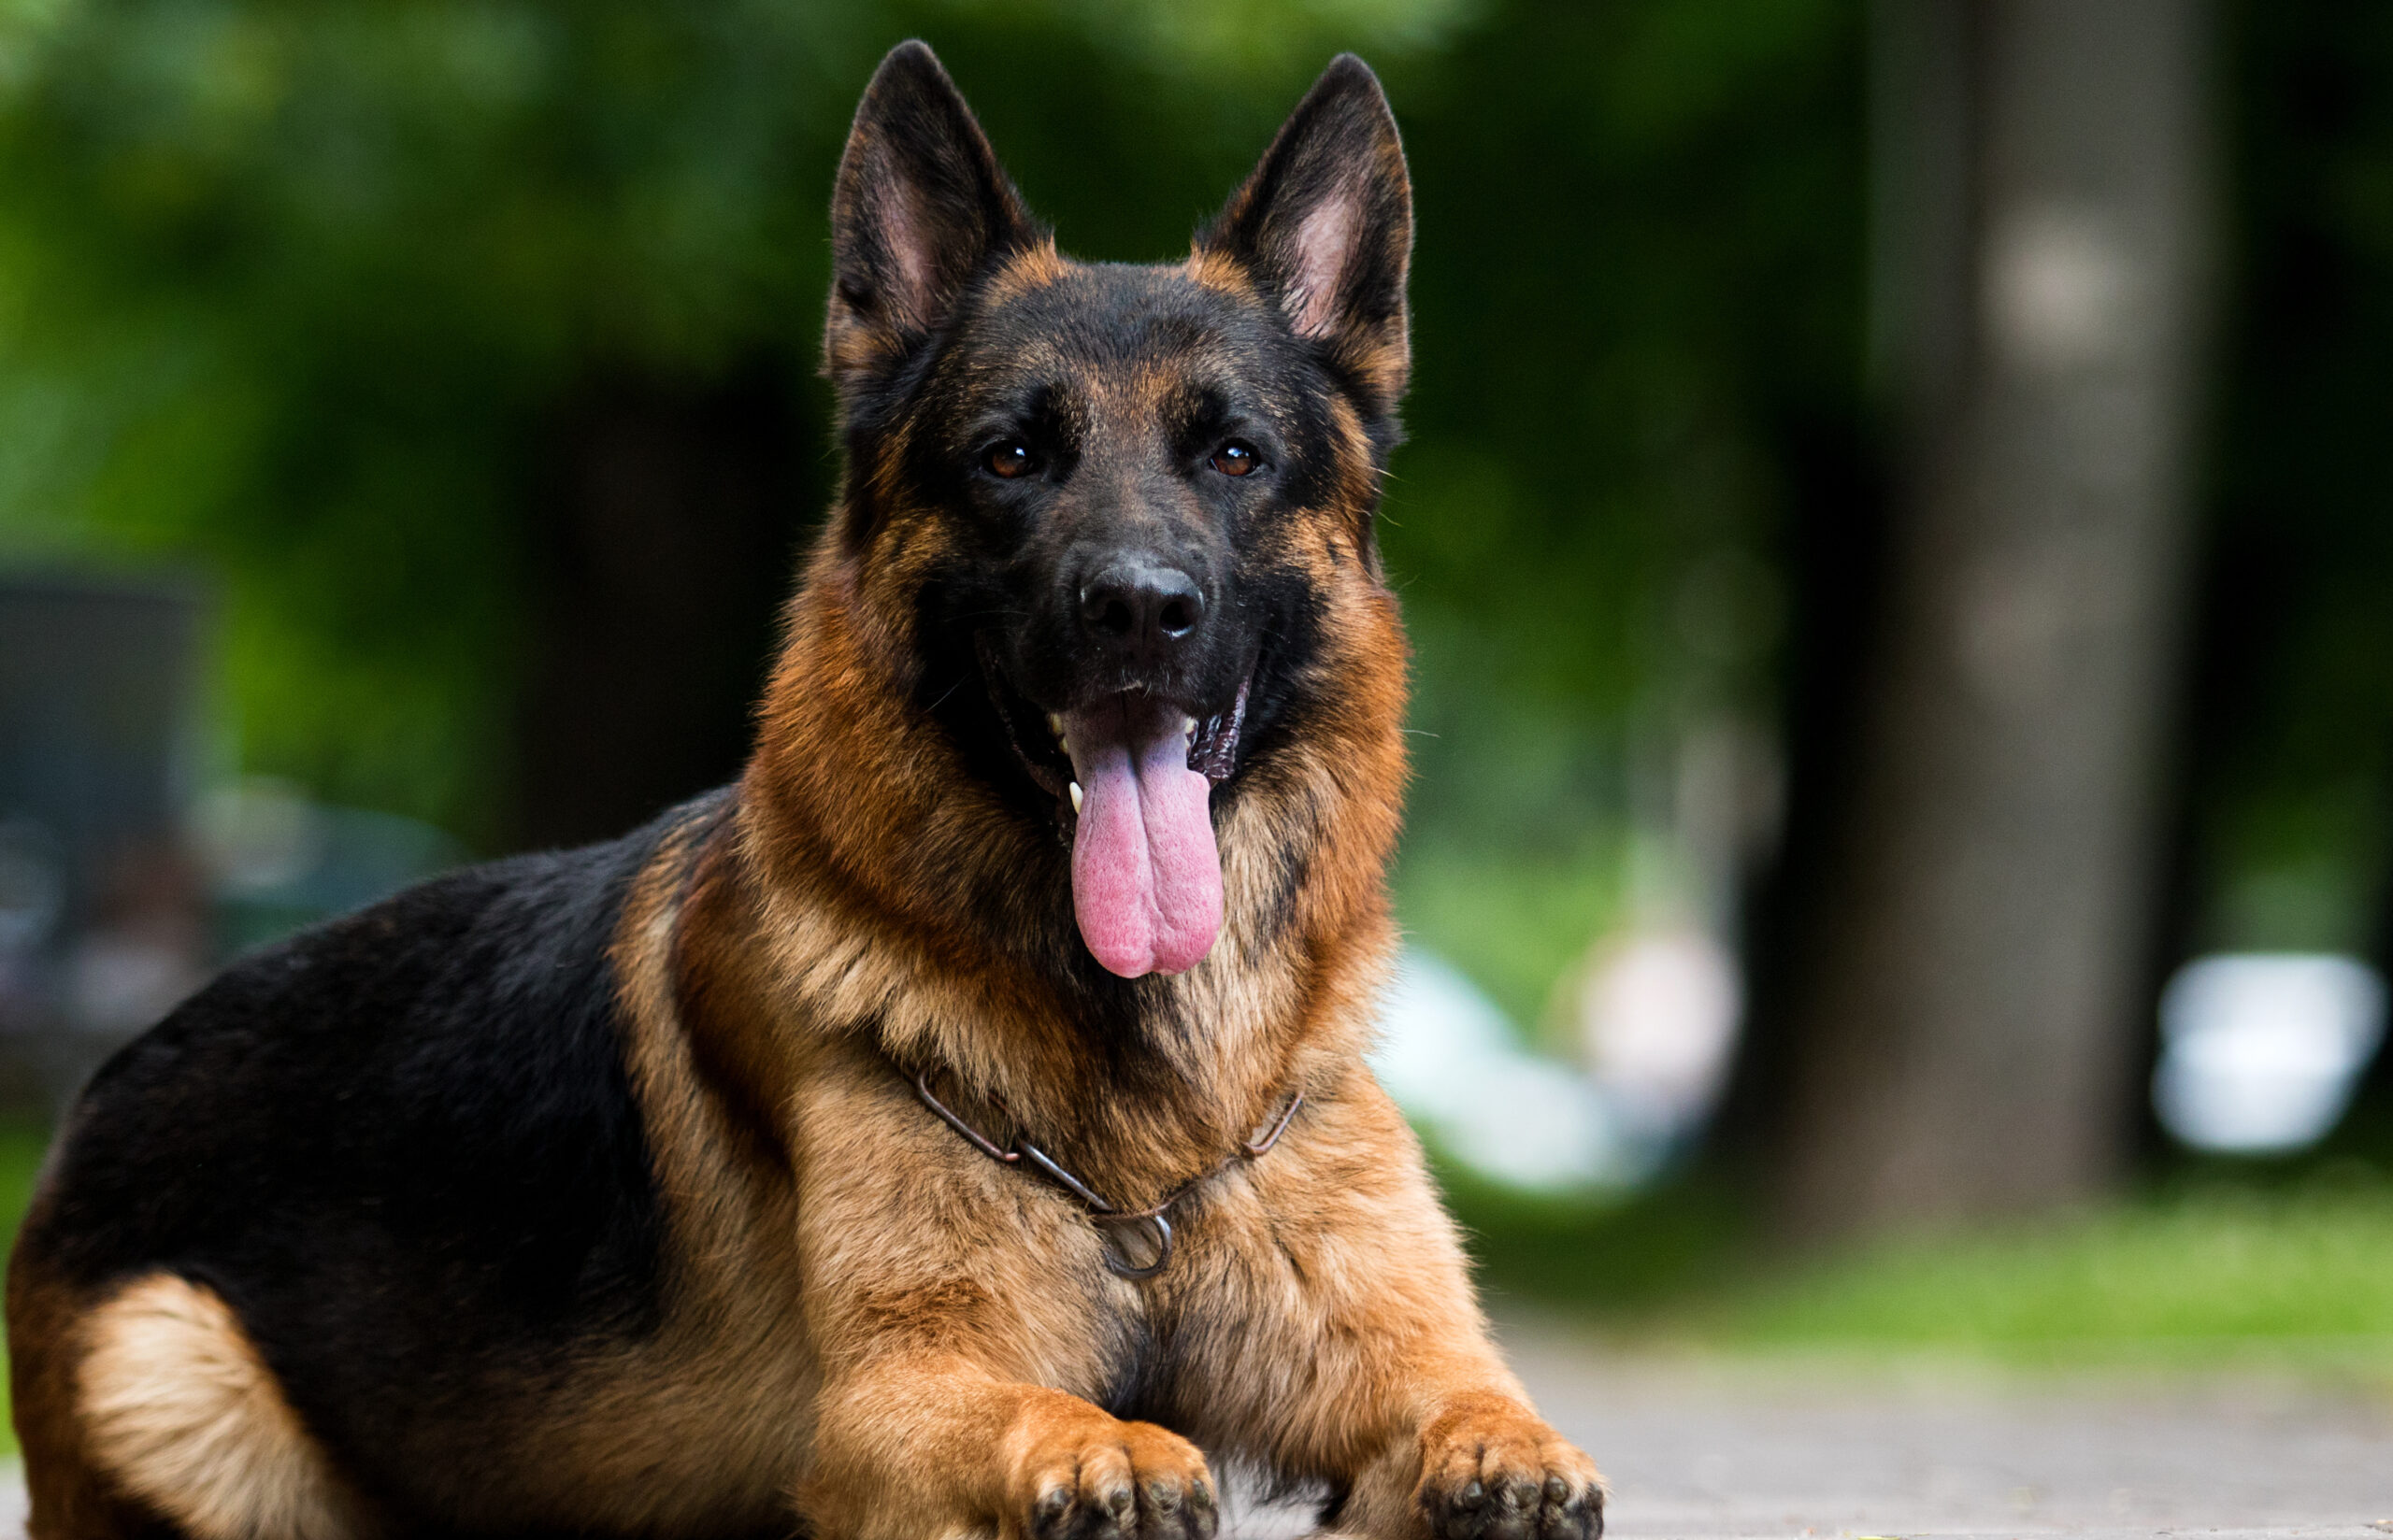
(1138, 1244)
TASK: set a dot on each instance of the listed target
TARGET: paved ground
(1705, 1448)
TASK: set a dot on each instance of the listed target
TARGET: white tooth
(1188, 728)
(1076, 796)
(1055, 722)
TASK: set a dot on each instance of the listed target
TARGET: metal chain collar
(1116, 1227)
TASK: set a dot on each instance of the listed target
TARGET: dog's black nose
(1142, 607)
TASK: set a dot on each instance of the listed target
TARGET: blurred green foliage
(289, 286)
(1636, 291)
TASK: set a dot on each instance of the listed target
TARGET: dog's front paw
(1081, 1475)
(1490, 1470)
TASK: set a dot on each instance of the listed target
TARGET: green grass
(21, 1143)
(2221, 1271)
(2293, 1277)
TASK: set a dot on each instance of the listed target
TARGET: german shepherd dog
(959, 1126)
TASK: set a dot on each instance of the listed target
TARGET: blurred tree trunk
(1965, 1017)
(666, 519)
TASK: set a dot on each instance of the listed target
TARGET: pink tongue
(1146, 879)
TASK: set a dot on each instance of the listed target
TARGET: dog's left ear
(921, 208)
(1325, 227)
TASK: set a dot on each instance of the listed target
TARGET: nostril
(1177, 618)
(1117, 618)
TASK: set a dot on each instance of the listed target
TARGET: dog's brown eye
(1011, 458)
(1235, 459)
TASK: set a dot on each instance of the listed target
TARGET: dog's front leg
(918, 1446)
(1371, 1367)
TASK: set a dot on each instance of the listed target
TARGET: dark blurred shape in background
(103, 917)
(662, 534)
(1980, 926)
(122, 881)
(1893, 530)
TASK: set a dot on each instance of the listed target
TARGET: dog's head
(1108, 508)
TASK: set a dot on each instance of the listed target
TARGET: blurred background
(1894, 530)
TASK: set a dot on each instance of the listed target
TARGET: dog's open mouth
(1133, 775)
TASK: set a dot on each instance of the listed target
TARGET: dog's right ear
(920, 207)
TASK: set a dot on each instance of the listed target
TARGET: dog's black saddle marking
(402, 1145)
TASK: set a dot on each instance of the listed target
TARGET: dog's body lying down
(641, 1190)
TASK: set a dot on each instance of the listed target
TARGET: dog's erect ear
(1324, 225)
(921, 206)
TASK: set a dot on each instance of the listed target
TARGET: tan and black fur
(589, 1194)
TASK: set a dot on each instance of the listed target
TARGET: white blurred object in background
(1656, 1019)
(1654, 1014)
(1454, 1065)
(2261, 1051)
